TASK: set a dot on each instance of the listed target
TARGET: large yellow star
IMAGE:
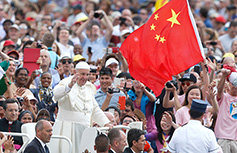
(157, 37)
(173, 19)
(162, 39)
(156, 16)
(152, 27)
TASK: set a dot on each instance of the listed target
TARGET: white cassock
(77, 109)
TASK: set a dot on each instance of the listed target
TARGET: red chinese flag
(166, 45)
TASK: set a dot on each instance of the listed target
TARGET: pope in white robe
(77, 109)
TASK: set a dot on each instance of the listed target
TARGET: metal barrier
(28, 139)
(104, 129)
(21, 135)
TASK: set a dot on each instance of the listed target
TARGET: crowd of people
(81, 79)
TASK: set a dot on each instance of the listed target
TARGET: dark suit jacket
(14, 127)
(127, 150)
(34, 147)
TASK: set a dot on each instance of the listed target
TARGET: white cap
(111, 61)
(82, 65)
(125, 31)
(15, 27)
(233, 79)
(65, 56)
(31, 97)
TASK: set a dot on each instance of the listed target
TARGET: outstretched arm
(109, 26)
(220, 86)
(83, 27)
(167, 103)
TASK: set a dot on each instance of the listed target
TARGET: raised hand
(26, 101)
(209, 119)
(74, 80)
(19, 92)
(225, 72)
(211, 64)
(9, 144)
(60, 69)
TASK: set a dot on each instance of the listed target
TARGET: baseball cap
(14, 26)
(14, 52)
(8, 43)
(189, 77)
(31, 97)
(220, 19)
(65, 56)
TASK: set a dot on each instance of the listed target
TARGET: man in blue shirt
(95, 40)
(103, 97)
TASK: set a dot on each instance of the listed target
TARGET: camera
(110, 50)
(13, 5)
(122, 19)
(20, 99)
(213, 43)
(39, 45)
(231, 7)
(17, 62)
(197, 69)
(113, 90)
(168, 84)
(98, 15)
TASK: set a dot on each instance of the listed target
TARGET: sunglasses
(16, 58)
(127, 121)
(127, 110)
(64, 61)
(187, 84)
(212, 49)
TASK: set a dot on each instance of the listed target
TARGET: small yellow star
(157, 37)
(162, 39)
(173, 19)
(156, 16)
(152, 27)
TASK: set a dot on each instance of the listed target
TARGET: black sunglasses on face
(16, 58)
(64, 61)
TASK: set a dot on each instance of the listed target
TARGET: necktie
(46, 149)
